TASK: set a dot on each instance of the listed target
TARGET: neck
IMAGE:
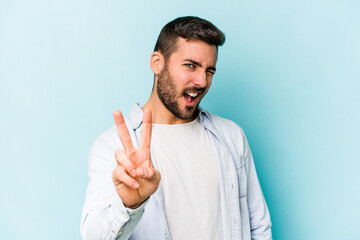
(160, 114)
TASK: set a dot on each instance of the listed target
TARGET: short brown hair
(191, 28)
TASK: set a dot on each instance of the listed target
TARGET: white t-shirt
(189, 179)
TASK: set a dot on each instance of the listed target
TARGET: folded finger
(145, 169)
(124, 161)
(148, 173)
(120, 175)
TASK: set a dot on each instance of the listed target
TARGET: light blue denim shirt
(244, 213)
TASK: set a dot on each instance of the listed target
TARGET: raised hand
(135, 177)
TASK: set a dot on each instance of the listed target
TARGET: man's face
(186, 77)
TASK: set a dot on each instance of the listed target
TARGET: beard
(167, 92)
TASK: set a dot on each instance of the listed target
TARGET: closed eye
(210, 72)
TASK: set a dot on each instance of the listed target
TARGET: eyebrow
(199, 64)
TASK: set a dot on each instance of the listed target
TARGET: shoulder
(224, 123)
(226, 126)
(108, 139)
(229, 132)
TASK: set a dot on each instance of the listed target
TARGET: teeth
(192, 94)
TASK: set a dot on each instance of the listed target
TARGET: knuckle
(117, 172)
(131, 152)
(114, 174)
(150, 173)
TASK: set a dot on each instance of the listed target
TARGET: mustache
(194, 89)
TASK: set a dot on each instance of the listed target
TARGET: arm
(104, 215)
(120, 182)
(260, 223)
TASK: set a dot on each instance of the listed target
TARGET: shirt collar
(136, 115)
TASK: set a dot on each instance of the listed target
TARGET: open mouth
(190, 97)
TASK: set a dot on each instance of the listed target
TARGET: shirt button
(119, 233)
(164, 232)
(232, 186)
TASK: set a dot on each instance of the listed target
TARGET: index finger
(123, 131)
(146, 129)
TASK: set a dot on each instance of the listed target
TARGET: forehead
(197, 50)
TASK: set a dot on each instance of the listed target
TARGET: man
(171, 170)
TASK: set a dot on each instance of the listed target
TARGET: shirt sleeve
(260, 222)
(104, 216)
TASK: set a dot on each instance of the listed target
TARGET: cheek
(183, 79)
(209, 81)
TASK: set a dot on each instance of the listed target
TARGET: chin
(189, 113)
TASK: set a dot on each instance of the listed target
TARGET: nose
(200, 79)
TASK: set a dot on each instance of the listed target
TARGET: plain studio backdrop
(288, 74)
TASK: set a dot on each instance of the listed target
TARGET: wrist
(136, 205)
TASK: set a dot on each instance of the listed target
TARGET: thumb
(148, 173)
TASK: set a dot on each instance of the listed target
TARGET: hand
(135, 177)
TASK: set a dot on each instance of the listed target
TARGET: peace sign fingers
(123, 132)
(135, 177)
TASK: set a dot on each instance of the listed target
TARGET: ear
(156, 62)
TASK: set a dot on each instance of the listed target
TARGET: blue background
(288, 74)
